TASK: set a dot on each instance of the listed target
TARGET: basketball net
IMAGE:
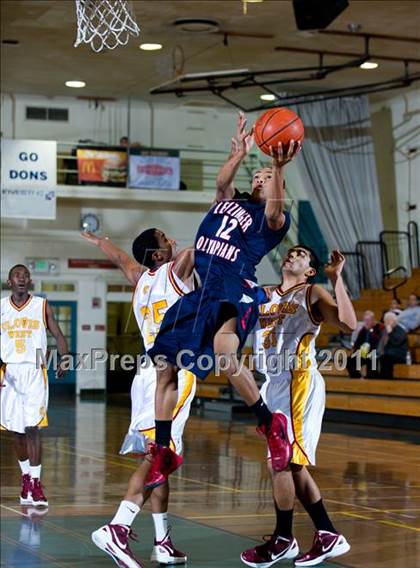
(105, 24)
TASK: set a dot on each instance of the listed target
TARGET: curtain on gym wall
(338, 168)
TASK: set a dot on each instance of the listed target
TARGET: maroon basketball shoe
(325, 545)
(164, 552)
(275, 548)
(25, 492)
(165, 461)
(113, 539)
(38, 495)
(278, 441)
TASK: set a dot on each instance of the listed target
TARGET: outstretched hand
(335, 265)
(91, 237)
(244, 139)
(281, 156)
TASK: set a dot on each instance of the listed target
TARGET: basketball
(277, 125)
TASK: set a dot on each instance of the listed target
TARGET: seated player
(214, 321)
(284, 347)
(24, 384)
(160, 276)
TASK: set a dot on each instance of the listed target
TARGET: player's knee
(167, 379)
(31, 431)
(228, 364)
(297, 470)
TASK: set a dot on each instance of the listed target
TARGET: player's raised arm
(131, 268)
(275, 195)
(241, 146)
(341, 311)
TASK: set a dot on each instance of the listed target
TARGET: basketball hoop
(105, 24)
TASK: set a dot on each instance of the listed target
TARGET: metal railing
(413, 231)
(354, 272)
(379, 261)
(397, 282)
(398, 249)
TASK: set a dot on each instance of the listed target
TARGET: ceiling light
(75, 84)
(150, 46)
(354, 27)
(369, 65)
(197, 25)
(268, 97)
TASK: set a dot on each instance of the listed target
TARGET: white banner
(28, 203)
(154, 172)
(28, 179)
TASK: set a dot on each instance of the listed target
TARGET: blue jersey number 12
(223, 232)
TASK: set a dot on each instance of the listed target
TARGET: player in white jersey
(24, 384)
(284, 350)
(161, 277)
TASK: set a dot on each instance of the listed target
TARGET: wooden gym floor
(221, 499)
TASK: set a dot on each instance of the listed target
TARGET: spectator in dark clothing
(393, 346)
(367, 340)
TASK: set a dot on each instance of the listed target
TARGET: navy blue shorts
(187, 331)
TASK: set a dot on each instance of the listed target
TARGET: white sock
(35, 471)
(161, 525)
(126, 513)
(25, 467)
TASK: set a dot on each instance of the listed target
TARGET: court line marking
(124, 460)
(399, 525)
(56, 528)
(127, 466)
(102, 460)
(37, 554)
(356, 515)
(251, 515)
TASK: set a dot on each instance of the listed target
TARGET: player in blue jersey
(214, 321)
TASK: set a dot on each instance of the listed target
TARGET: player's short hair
(17, 266)
(314, 261)
(144, 245)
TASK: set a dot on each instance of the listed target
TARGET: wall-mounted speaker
(317, 14)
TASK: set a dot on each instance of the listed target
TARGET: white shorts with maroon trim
(23, 397)
(142, 427)
(300, 396)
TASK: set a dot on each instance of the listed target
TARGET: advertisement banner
(28, 179)
(161, 171)
(102, 166)
(28, 203)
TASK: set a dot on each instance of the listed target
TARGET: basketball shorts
(188, 329)
(142, 426)
(300, 396)
(23, 397)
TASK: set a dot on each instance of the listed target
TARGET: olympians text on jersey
(233, 238)
(156, 291)
(23, 330)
